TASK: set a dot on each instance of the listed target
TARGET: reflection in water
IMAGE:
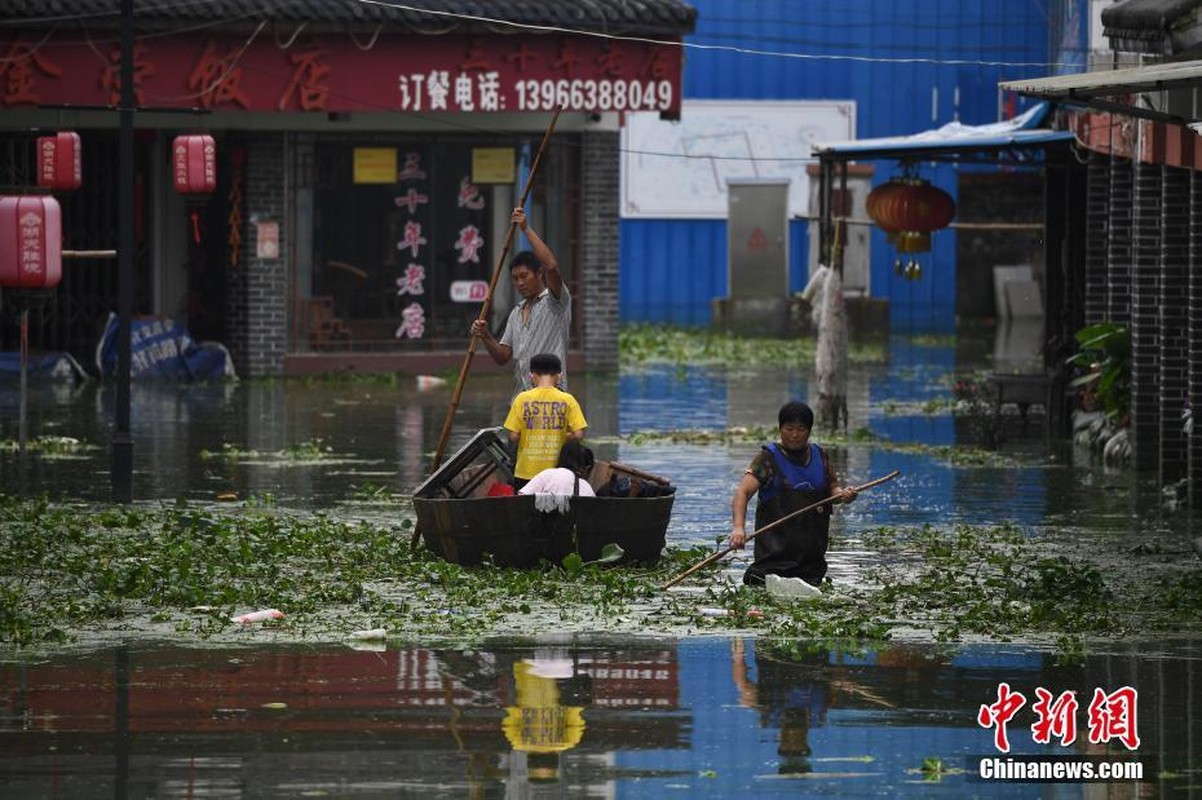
(609, 718)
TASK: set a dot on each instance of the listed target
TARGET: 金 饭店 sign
(410, 73)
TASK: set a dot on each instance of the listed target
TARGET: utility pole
(123, 443)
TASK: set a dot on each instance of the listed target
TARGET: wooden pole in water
(712, 558)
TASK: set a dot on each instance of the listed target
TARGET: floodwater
(634, 718)
(578, 716)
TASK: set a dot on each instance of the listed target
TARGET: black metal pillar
(123, 445)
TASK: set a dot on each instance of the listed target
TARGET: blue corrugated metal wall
(671, 269)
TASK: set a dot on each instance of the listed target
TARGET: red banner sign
(31, 242)
(421, 74)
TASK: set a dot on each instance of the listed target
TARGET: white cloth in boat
(553, 489)
(558, 480)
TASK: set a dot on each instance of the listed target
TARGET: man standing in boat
(540, 323)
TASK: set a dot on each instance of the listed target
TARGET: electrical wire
(707, 47)
(507, 24)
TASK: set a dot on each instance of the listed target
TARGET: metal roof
(1095, 89)
(619, 17)
(952, 140)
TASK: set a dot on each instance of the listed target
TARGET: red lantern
(60, 166)
(879, 197)
(194, 161)
(31, 242)
(911, 211)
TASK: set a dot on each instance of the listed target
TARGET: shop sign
(375, 165)
(469, 291)
(267, 242)
(331, 73)
(31, 242)
(493, 165)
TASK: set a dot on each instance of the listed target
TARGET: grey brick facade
(1146, 229)
(1120, 199)
(1194, 358)
(258, 310)
(1147, 221)
(1174, 315)
(1097, 222)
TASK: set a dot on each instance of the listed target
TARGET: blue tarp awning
(954, 137)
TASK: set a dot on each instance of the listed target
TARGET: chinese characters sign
(330, 73)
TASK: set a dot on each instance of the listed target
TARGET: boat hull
(510, 531)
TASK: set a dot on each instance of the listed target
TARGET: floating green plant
(50, 446)
(183, 569)
(663, 344)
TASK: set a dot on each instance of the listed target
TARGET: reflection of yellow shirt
(543, 417)
(538, 723)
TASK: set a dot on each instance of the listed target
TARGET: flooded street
(577, 714)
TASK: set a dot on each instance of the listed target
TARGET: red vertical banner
(31, 242)
(413, 233)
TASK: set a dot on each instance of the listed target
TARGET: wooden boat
(461, 522)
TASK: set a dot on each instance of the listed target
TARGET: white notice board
(680, 169)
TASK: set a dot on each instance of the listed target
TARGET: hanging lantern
(60, 166)
(910, 210)
(194, 164)
(31, 242)
(876, 199)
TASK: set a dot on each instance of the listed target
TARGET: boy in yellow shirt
(542, 419)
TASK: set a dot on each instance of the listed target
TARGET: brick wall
(1173, 326)
(1120, 197)
(1195, 337)
(1096, 233)
(1146, 231)
(599, 251)
(258, 302)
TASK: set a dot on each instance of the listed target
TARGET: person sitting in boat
(541, 419)
(787, 476)
(568, 476)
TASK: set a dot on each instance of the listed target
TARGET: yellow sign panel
(375, 165)
(492, 165)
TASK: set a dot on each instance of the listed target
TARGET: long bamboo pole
(714, 557)
(487, 304)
